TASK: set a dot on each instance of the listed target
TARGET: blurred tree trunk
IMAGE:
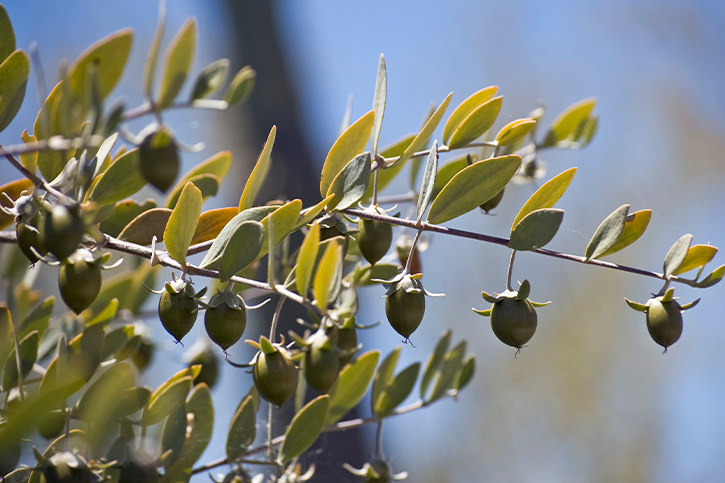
(294, 173)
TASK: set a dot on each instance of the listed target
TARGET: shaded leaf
(142, 229)
(677, 254)
(242, 249)
(123, 213)
(306, 259)
(6, 332)
(208, 184)
(241, 87)
(351, 182)
(29, 159)
(451, 365)
(713, 278)
(179, 57)
(351, 143)
(398, 389)
(546, 196)
(327, 271)
(182, 223)
(634, 227)
(212, 222)
(164, 403)
(304, 428)
(477, 123)
(149, 71)
(309, 214)
(210, 79)
(697, 256)
(351, 385)
(38, 318)
(434, 362)
(465, 374)
(536, 229)
(7, 35)
(259, 173)
(428, 183)
(609, 231)
(565, 128)
(385, 176)
(122, 179)
(424, 135)
(14, 71)
(383, 376)
(473, 186)
(28, 356)
(242, 429)
(465, 109)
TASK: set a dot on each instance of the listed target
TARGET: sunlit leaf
(381, 92)
(546, 196)
(351, 143)
(350, 183)
(677, 254)
(634, 227)
(697, 256)
(385, 176)
(304, 428)
(182, 223)
(259, 173)
(13, 190)
(515, 131)
(327, 269)
(310, 214)
(164, 403)
(565, 128)
(424, 135)
(123, 213)
(212, 222)
(306, 259)
(476, 123)
(145, 226)
(14, 71)
(536, 229)
(242, 249)
(609, 231)
(351, 385)
(179, 57)
(428, 183)
(713, 278)
(122, 179)
(465, 108)
(207, 183)
(241, 87)
(446, 173)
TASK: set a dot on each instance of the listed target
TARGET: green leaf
(14, 72)
(306, 259)
(351, 385)
(547, 195)
(182, 223)
(536, 229)
(304, 428)
(242, 249)
(447, 376)
(173, 435)
(565, 128)
(208, 184)
(164, 403)
(476, 123)
(86, 350)
(217, 166)
(7, 35)
(107, 57)
(677, 254)
(28, 357)
(588, 130)
(6, 334)
(713, 278)
(634, 227)
(383, 376)
(351, 182)
(122, 179)
(212, 257)
(241, 86)
(284, 221)
(472, 187)
(416, 163)
(100, 403)
(149, 71)
(242, 429)
(609, 231)
(145, 226)
(465, 374)
(327, 271)
(212, 222)
(259, 173)
(38, 318)
(210, 79)
(123, 213)
(697, 256)
(386, 176)
(465, 109)
(364, 276)
(398, 389)
(179, 57)
(427, 131)
(428, 183)
(515, 131)
(447, 172)
(381, 92)
(310, 214)
(104, 315)
(434, 362)
(351, 143)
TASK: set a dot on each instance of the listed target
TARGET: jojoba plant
(73, 377)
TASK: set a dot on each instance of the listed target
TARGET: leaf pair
(454, 370)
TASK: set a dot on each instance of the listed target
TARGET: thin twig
(38, 182)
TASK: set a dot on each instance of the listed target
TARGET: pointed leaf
(212, 222)
(713, 278)
(515, 131)
(149, 71)
(259, 173)
(122, 179)
(351, 182)
(28, 357)
(465, 374)
(200, 415)
(387, 175)
(477, 123)
(208, 184)
(697, 256)
(547, 195)
(242, 429)
(609, 231)
(637, 306)
(100, 400)
(634, 227)
(434, 362)
(241, 87)
(472, 187)
(145, 226)
(398, 389)
(164, 403)
(330, 264)
(37, 319)
(14, 72)
(304, 428)
(465, 108)
(351, 385)
(6, 333)
(381, 92)
(351, 143)
(241, 250)
(427, 131)
(284, 221)
(108, 57)
(306, 259)
(218, 166)
(173, 435)
(564, 129)
(429, 179)
(210, 79)
(7, 35)
(310, 214)
(677, 254)
(536, 229)
(182, 223)
(383, 376)
(179, 57)
(451, 365)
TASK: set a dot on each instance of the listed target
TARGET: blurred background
(591, 398)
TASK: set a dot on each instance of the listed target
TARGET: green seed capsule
(405, 311)
(322, 365)
(374, 239)
(275, 376)
(159, 159)
(79, 282)
(177, 310)
(513, 321)
(225, 325)
(62, 231)
(664, 322)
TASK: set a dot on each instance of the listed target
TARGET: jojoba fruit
(29, 236)
(51, 424)
(322, 365)
(79, 282)
(513, 321)
(66, 467)
(405, 310)
(664, 322)
(62, 231)
(178, 308)
(159, 159)
(346, 340)
(374, 239)
(275, 376)
(225, 325)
